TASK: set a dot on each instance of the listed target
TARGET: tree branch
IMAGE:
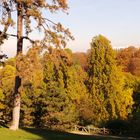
(24, 37)
(49, 21)
(27, 38)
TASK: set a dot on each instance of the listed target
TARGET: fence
(91, 130)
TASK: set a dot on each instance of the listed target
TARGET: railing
(91, 130)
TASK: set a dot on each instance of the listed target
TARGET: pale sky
(118, 20)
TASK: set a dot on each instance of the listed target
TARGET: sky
(118, 20)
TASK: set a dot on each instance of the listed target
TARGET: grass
(42, 134)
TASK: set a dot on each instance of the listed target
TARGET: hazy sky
(118, 20)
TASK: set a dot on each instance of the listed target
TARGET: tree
(31, 72)
(110, 100)
(64, 88)
(124, 56)
(7, 75)
(80, 58)
(134, 66)
(129, 59)
(26, 12)
(134, 82)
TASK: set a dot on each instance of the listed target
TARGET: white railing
(91, 130)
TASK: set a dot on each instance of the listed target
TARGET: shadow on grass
(57, 135)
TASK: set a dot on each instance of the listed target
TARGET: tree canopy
(35, 11)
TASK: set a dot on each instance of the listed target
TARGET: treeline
(60, 89)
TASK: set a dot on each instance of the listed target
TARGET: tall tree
(27, 11)
(103, 74)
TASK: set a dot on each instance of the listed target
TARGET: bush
(118, 126)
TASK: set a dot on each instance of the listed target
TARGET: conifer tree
(64, 87)
(31, 72)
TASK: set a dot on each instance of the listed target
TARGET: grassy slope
(40, 134)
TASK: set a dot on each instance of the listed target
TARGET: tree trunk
(17, 96)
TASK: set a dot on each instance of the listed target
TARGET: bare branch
(49, 21)
(24, 37)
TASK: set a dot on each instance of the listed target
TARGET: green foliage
(7, 75)
(63, 87)
(30, 70)
(52, 87)
(134, 82)
(110, 100)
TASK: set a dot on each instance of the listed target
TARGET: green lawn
(41, 134)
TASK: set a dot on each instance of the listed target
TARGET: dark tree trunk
(17, 96)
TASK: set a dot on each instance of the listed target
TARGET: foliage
(85, 111)
(35, 11)
(81, 59)
(58, 91)
(110, 100)
(118, 127)
(7, 75)
(135, 116)
(129, 59)
(30, 70)
(51, 88)
(63, 87)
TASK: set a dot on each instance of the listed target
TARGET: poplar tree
(106, 83)
(27, 11)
